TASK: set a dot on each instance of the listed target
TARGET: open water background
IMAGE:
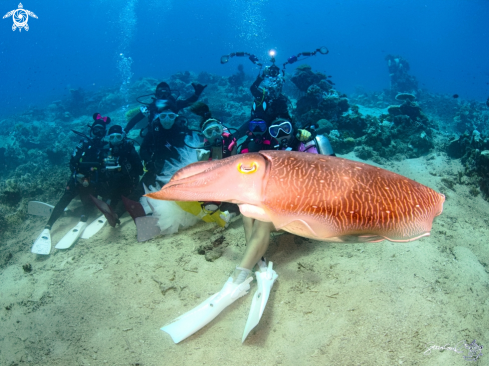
(78, 43)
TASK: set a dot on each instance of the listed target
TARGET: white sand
(100, 303)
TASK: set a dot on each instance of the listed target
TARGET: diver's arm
(184, 103)
(255, 87)
(199, 88)
(135, 161)
(77, 154)
(134, 121)
(145, 150)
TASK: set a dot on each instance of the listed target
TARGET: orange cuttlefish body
(315, 196)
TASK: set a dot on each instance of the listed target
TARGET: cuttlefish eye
(244, 169)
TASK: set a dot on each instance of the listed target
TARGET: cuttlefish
(319, 197)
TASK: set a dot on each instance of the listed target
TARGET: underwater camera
(273, 70)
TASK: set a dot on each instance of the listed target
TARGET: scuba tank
(323, 145)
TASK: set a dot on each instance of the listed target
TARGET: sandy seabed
(103, 301)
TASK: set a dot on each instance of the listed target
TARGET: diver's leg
(149, 178)
(68, 195)
(257, 245)
(248, 227)
(87, 203)
(126, 189)
(235, 287)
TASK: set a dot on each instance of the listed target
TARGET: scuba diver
(165, 150)
(164, 103)
(219, 143)
(302, 140)
(258, 137)
(160, 144)
(270, 103)
(87, 169)
(122, 170)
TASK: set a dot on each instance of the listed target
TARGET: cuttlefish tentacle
(316, 196)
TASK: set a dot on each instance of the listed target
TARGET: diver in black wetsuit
(123, 168)
(87, 170)
(165, 135)
(269, 104)
(165, 102)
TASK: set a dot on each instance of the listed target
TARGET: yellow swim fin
(195, 208)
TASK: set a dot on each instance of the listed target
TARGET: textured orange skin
(316, 196)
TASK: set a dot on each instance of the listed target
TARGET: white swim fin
(42, 245)
(39, 208)
(195, 319)
(94, 227)
(71, 236)
(265, 278)
(147, 228)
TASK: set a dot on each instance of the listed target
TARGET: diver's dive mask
(257, 126)
(98, 131)
(115, 139)
(284, 127)
(162, 91)
(167, 119)
(212, 129)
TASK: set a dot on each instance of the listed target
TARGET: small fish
(455, 96)
(329, 81)
(487, 101)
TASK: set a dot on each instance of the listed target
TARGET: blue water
(77, 43)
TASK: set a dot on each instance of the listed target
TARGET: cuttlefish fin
(298, 227)
(302, 228)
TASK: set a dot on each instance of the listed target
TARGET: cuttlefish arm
(239, 179)
(315, 196)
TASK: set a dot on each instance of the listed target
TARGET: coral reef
(320, 104)
(304, 77)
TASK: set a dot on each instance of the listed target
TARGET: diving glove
(303, 135)
(199, 88)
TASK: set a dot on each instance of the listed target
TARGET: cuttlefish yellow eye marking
(248, 169)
